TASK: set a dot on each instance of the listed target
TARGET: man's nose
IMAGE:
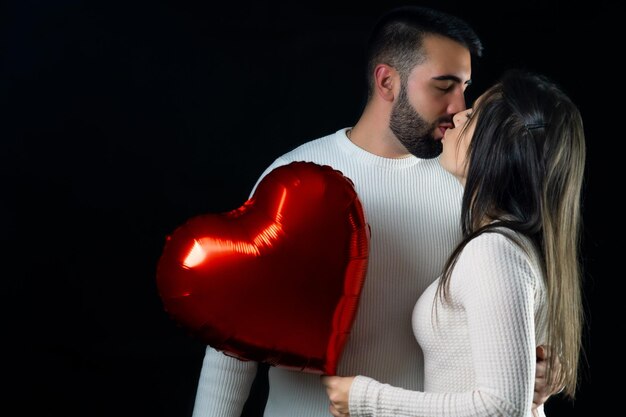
(457, 102)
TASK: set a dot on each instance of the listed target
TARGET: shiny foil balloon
(278, 279)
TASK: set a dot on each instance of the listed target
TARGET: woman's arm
(497, 288)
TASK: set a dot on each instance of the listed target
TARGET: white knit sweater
(479, 348)
(413, 208)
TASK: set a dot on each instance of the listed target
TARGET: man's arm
(224, 385)
(225, 382)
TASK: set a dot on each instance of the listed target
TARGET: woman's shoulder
(502, 249)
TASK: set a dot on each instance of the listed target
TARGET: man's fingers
(542, 353)
(541, 369)
(538, 399)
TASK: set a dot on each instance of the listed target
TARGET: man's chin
(428, 151)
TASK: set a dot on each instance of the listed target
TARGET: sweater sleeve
(494, 284)
(224, 385)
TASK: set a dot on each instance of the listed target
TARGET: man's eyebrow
(452, 78)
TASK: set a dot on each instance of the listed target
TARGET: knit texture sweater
(479, 346)
(413, 209)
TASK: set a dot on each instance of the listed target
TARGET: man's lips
(442, 128)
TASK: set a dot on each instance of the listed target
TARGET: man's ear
(387, 80)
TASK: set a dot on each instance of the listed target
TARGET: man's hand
(338, 390)
(544, 388)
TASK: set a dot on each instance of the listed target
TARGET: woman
(513, 282)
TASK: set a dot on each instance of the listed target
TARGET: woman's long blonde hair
(526, 163)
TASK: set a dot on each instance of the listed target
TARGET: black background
(123, 119)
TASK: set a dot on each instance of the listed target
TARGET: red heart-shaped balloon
(277, 280)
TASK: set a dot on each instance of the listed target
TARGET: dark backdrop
(124, 119)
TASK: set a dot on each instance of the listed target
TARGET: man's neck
(380, 142)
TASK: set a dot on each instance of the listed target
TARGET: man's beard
(415, 133)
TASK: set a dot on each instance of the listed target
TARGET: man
(419, 65)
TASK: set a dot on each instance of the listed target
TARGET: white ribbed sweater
(479, 348)
(413, 208)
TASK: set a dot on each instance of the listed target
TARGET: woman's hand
(338, 391)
